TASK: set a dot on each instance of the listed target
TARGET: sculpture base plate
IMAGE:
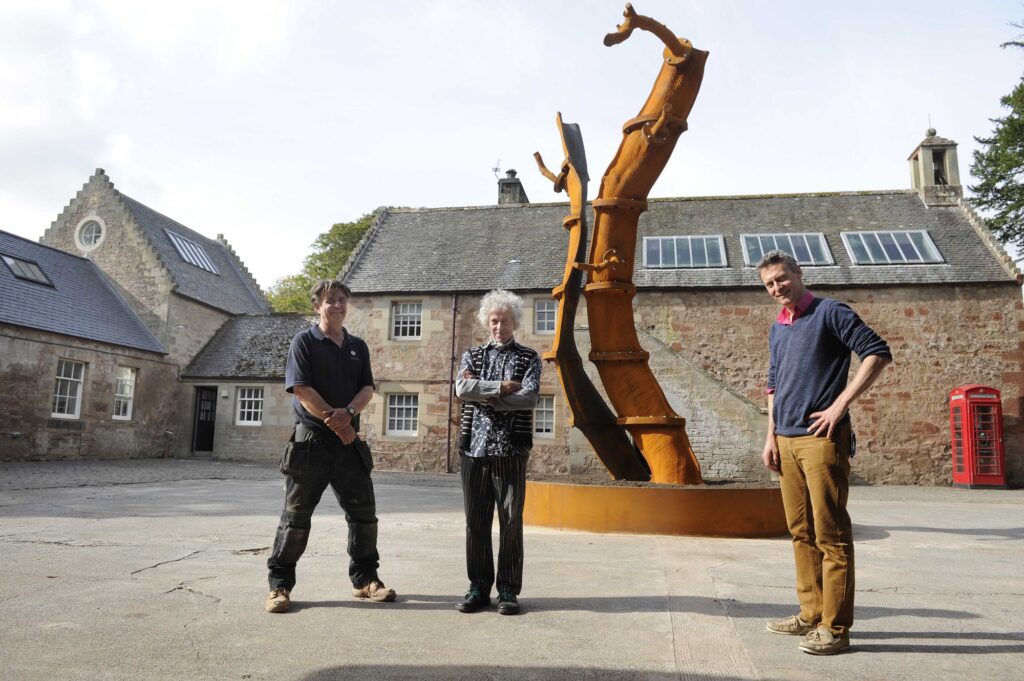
(697, 510)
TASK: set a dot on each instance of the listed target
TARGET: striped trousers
(488, 482)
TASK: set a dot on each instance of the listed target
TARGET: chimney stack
(510, 189)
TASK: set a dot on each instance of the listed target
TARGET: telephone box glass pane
(958, 441)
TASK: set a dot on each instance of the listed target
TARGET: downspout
(451, 386)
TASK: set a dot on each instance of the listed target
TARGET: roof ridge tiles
(243, 272)
(660, 199)
(978, 223)
(357, 253)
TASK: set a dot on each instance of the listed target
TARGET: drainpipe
(451, 386)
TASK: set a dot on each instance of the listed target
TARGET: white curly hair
(500, 299)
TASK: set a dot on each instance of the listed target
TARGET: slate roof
(81, 303)
(524, 246)
(231, 290)
(249, 346)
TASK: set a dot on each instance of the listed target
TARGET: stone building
(178, 286)
(917, 265)
(243, 411)
(83, 377)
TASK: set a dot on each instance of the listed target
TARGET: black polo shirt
(335, 373)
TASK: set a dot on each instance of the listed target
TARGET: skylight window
(191, 252)
(808, 249)
(680, 252)
(26, 269)
(891, 248)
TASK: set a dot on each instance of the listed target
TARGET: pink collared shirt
(786, 317)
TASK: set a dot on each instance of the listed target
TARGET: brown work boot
(822, 641)
(791, 626)
(278, 601)
(375, 591)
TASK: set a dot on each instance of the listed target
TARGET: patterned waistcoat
(516, 425)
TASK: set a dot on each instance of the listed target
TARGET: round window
(91, 233)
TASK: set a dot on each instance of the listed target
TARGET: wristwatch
(351, 411)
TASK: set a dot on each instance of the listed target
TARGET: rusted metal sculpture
(647, 144)
(590, 414)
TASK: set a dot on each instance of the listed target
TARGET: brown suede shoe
(278, 601)
(791, 626)
(375, 591)
(822, 641)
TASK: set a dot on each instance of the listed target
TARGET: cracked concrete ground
(154, 569)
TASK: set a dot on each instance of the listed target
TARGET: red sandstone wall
(941, 337)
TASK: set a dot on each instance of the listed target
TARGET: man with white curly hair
(498, 384)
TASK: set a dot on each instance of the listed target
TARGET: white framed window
(191, 252)
(67, 389)
(913, 247)
(403, 414)
(90, 232)
(545, 312)
(808, 248)
(250, 407)
(406, 320)
(26, 269)
(684, 252)
(544, 417)
(124, 393)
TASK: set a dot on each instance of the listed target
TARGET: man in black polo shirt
(329, 373)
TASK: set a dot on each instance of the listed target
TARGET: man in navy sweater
(810, 442)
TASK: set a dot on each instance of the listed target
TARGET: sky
(270, 121)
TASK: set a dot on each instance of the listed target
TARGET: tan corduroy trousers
(815, 482)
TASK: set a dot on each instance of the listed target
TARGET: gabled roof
(249, 346)
(524, 246)
(81, 302)
(231, 289)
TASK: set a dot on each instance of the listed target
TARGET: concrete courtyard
(155, 569)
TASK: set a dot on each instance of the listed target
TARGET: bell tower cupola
(935, 172)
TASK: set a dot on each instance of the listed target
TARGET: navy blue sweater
(810, 361)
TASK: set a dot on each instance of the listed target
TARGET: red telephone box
(976, 427)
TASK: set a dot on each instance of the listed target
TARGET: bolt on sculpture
(659, 450)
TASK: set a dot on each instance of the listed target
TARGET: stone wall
(941, 338)
(27, 430)
(232, 440)
(709, 350)
(424, 367)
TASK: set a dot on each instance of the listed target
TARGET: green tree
(331, 251)
(290, 294)
(999, 166)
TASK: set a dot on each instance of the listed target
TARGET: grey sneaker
(375, 591)
(821, 641)
(278, 601)
(790, 626)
